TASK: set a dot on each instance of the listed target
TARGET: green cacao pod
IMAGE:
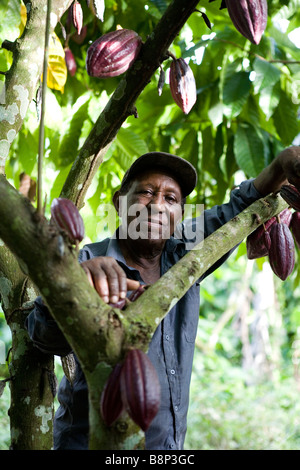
(249, 17)
(182, 85)
(140, 388)
(67, 218)
(282, 250)
(291, 195)
(113, 53)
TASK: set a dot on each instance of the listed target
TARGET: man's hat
(181, 169)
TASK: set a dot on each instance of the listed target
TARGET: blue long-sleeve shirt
(171, 349)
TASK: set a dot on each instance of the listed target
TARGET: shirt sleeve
(44, 331)
(193, 230)
(240, 198)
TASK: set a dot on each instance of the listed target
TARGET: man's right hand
(108, 278)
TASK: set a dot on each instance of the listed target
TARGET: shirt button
(172, 371)
(176, 408)
(167, 337)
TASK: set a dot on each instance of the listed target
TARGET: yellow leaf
(57, 69)
(23, 18)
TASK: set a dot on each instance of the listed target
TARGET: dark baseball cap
(179, 168)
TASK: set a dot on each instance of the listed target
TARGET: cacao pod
(291, 195)
(113, 53)
(282, 250)
(67, 218)
(77, 16)
(249, 17)
(182, 85)
(295, 227)
(120, 304)
(140, 388)
(70, 62)
(137, 292)
(258, 242)
(111, 404)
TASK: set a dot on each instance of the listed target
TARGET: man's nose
(158, 204)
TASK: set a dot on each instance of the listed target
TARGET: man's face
(152, 206)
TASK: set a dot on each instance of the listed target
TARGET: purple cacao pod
(282, 250)
(70, 62)
(67, 218)
(249, 17)
(258, 241)
(111, 404)
(77, 16)
(295, 227)
(113, 53)
(291, 195)
(140, 388)
(182, 85)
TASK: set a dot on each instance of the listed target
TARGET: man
(156, 186)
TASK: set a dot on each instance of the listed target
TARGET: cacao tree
(246, 111)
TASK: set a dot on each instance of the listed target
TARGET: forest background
(246, 380)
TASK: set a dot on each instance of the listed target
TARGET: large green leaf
(249, 150)
(70, 142)
(286, 119)
(266, 74)
(236, 90)
(131, 143)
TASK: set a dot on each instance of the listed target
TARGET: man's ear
(116, 201)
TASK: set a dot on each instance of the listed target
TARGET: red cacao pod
(257, 242)
(113, 53)
(140, 388)
(111, 404)
(282, 251)
(77, 16)
(249, 17)
(70, 62)
(182, 85)
(291, 195)
(67, 218)
(295, 227)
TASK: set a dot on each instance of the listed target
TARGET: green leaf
(131, 143)
(70, 142)
(236, 90)
(286, 119)
(249, 150)
(266, 74)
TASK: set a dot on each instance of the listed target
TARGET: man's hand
(284, 169)
(108, 278)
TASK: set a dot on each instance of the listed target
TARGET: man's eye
(171, 199)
